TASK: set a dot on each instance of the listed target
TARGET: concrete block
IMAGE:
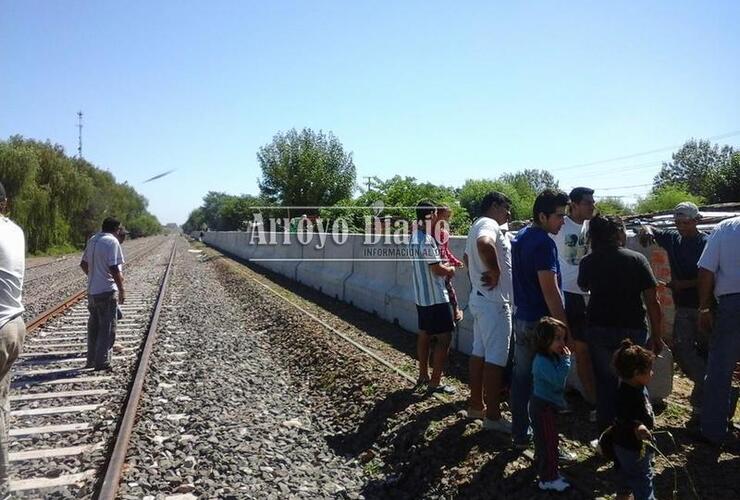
(373, 275)
(336, 268)
(310, 270)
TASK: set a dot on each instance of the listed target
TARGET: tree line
(309, 169)
(59, 201)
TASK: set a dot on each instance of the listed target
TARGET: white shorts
(491, 329)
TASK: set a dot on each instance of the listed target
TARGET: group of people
(101, 262)
(565, 290)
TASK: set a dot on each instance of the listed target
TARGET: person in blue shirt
(549, 371)
(537, 283)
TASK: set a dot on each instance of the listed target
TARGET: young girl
(549, 371)
(442, 236)
(634, 421)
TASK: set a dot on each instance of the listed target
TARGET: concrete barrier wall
(382, 286)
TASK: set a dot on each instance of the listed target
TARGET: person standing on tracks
(684, 246)
(12, 327)
(537, 284)
(432, 300)
(100, 262)
(488, 257)
(719, 272)
(572, 243)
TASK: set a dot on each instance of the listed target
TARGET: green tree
(612, 205)
(665, 198)
(473, 191)
(531, 180)
(305, 168)
(694, 166)
(59, 201)
(723, 184)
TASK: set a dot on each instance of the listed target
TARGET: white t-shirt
(503, 291)
(102, 252)
(572, 246)
(429, 288)
(722, 256)
(12, 268)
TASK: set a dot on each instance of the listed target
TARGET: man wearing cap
(684, 246)
(719, 272)
(12, 327)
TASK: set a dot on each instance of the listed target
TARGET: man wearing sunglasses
(684, 246)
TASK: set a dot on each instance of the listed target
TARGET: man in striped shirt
(432, 301)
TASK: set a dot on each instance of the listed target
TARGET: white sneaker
(558, 485)
(473, 414)
(500, 425)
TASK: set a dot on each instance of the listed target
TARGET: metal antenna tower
(79, 137)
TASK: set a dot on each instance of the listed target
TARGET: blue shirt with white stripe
(428, 287)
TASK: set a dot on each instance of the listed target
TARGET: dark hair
(110, 224)
(603, 231)
(424, 209)
(547, 202)
(493, 198)
(631, 359)
(2, 192)
(577, 194)
(545, 333)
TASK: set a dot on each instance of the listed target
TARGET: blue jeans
(724, 352)
(602, 342)
(521, 380)
(634, 474)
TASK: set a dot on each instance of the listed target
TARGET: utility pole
(79, 137)
(369, 181)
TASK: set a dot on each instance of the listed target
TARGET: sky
(440, 91)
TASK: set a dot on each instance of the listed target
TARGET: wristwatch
(705, 310)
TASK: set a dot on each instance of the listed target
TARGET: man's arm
(549, 285)
(650, 296)
(118, 278)
(487, 250)
(84, 267)
(444, 270)
(705, 287)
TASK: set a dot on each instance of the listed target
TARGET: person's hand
(645, 236)
(565, 351)
(706, 322)
(458, 314)
(460, 265)
(121, 297)
(656, 344)
(643, 433)
(490, 278)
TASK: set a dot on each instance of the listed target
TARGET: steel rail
(114, 467)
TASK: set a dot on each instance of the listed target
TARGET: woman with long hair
(619, 280)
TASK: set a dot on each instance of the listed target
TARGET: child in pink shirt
(442, 235)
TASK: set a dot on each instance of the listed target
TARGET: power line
(652, 151)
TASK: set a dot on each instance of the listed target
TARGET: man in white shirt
(12, 327)
(719, 272)
(488, 259)
(572, 243)
(101, 263)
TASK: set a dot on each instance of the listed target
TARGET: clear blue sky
(442, 91)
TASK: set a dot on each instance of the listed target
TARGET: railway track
(66, 421)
